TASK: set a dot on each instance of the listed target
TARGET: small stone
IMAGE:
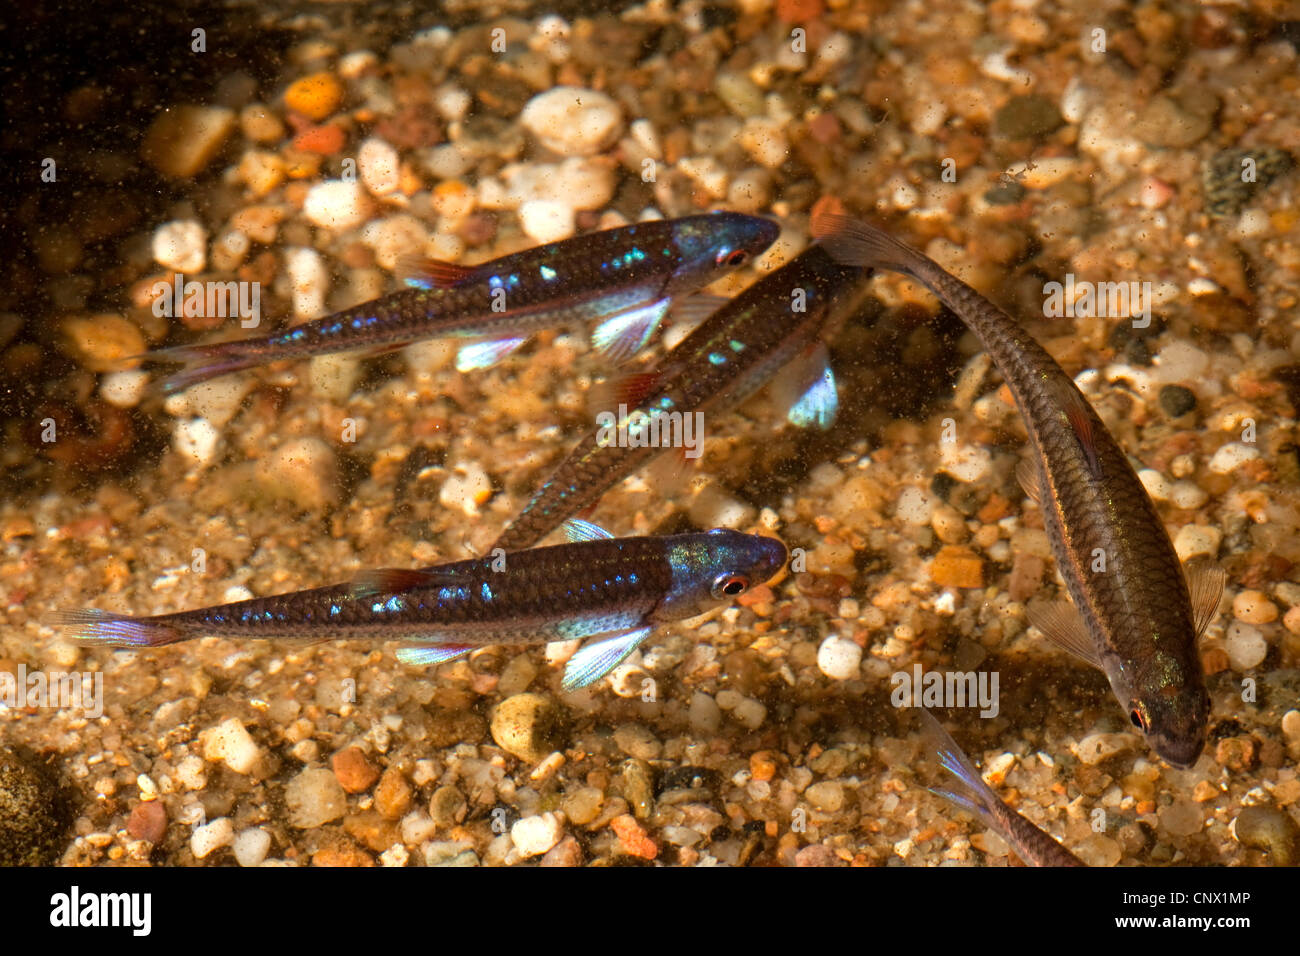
(1183, 817)
(636, 740)
(1245, 645)
(545, 220)
(528, 726)
(314, 798)
(582, 806)
(467, 487)
(1030, 116)
(750, 713)
(197, 440)
(1254, 607)
(1230, 456)
(1177, 400)
(181, 244)
(1235, 753)
(817, 855)
(632, 838)
(1176, 121)
(303, 471)
(915, 506)
(148, 821)
(446, 807)
(839, 658)
(355, 773)
(379, 166)
(764, 139)
(337, 204)
(124, 389)
(572, 121)
(182, 141)
(101, 342)
(260, 125)
(567, 852)
(250, 846)
(827, 796)
(261, 171)
(1097, 850)
(1096, 748)
(211, 837)
(1187, 495)
(957, 567)
(1192, 540)
(1227, 191)
(231, 743)
(534, 835)
(315, 97)
(704, 714)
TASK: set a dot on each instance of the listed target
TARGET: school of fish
(1133, 611)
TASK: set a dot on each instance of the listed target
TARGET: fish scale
(720, 363)
(1139, 619)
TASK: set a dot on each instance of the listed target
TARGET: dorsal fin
(422, 272)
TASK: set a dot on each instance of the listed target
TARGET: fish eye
(737, 258)
(1138, 718)
(729, 586)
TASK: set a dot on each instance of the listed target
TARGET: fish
(627, 277)
(1135, 611)
(781, 320)
(611, 591)
(1031, 843)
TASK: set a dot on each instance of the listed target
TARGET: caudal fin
(202, 362)
(120, 630)
(972, 792)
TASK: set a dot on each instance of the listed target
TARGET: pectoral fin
(696, 308)
(1062, 624)
(622, 336)
(1030, 477)
(575, 529)
(595, 660)
(480, 355)
(812, 383)
(421, 655)
(1205, 581)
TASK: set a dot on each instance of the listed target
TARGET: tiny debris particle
(354, 771)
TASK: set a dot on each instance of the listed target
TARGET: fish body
(1033, 845)
(1137, 613)
(616, 588)
(627, 276)
(783, 316)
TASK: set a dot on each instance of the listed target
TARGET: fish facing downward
(1137, 613)
(628, 277)
(1031, 844)
(612, 590)
(779, 322)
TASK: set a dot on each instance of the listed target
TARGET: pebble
(452, 102)
(393, 237)
(197, 440)
(1176, 121)
(1097, 850)
(250, 846)
(1095, 748)
(967, 463)
(181, 141)
(915, 506)
(528, 726)
(182, 245)
(1180, 362)
(211, 837)
(1177, 400)
(1254, 607)
(446, 807)
(1187, 495)
(1029, 116)
(827, 796)
(467, 487)
(148, 821)
(533, 836)
(230, 743)
(303, 471)
(636, 740)
(547, 220)
(573, 121)
(1230, 456)
(1271, 829)
(568, 852)
(337, 204)
(101, 342)
(1182, 817)
(315, 97)
(1193, 539)
(1245, 645)
(582, 806)
(817, 855)
(1291, 726)
(379, 166)
(314, 798)
(704, 714)
(261, 171)
(260, 125)
(839, 658)
(957, 567)
(632, 838)
(764, 140)
(1225, 191)
(355, 773)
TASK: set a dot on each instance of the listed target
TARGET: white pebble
(1187, 495)
(217, 401)
(212, 837)
(546, 221)
(197, 440)
(572, 121)
(839, 658)
(533, 836)
(643, 131)
(1180, 362)
(124, 389)
(229, 250)
(1245, 645)
(1155, 484)
(915, 506)
(750, 713)
(394, 237)
(1095, 748)
(704, 714)
(231, 743)
(250, 846)
(336, 204)
(191, 773)
(181, 245)
(379, 166)
(967, 463)
(452, 102)
(764, 140)
(309, 280)
(1229, 456)
(1193, 539)
(467, 487)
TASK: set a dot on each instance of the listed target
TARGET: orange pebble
(316, 96)
(632, 838)
(325, 140)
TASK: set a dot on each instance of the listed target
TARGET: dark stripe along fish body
(1134, 615)
(615, 271)
(727, 358)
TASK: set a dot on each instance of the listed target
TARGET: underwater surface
(1118, 178)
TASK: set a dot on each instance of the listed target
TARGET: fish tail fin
(120, 630)
(852, 242)
(202, 362)
(974, 794)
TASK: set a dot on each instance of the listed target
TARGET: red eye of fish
(730, 585)
(1136, 716)
(737, 258)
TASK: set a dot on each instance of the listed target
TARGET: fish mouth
(1182, 756)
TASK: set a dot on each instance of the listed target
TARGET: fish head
(708, 247)
(716, 567)
(1173, 716)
